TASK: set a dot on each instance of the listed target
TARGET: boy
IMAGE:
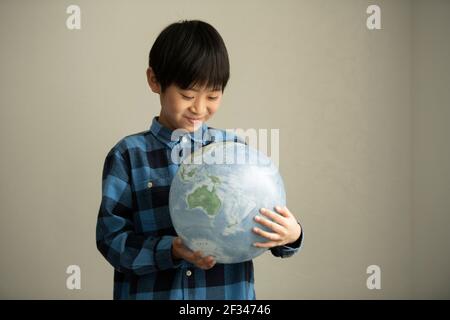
(189, 69)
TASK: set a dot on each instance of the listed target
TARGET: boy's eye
(213, 98)
(187, 98)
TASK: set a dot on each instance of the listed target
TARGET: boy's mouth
(193, 120)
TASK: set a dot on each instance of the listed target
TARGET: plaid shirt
(135, 232)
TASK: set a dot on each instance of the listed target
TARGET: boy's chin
(191, 125)
(192, 128)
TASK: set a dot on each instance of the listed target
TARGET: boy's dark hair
(190, 53)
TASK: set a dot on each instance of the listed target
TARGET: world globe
(215, 195)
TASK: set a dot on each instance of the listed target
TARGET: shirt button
(189, 273)
(149, 184)
(184, 139)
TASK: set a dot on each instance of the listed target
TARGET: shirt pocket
(152, 216)
(152, 193)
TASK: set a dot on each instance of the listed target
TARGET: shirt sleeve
(289, 249)
(126, 250)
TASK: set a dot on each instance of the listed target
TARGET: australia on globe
(215, 195)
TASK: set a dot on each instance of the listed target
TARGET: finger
(180, 245)
(201, 260)
(268, 235)
(188, 255)
(284, 211)
(207, 262)
(274, 216)
(178, 242)
(210, 262)
(206, 266)
(269, 244)
(270, 224)
(198, 254)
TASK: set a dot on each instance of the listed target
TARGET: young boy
(189, 69)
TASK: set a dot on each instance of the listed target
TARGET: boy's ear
(152, 82)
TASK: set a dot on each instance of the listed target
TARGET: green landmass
(186, 175)
(214, 179)
(205, 199)
(191, 173)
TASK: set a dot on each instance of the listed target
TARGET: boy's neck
(164, 123)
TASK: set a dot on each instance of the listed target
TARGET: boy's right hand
(180, 251)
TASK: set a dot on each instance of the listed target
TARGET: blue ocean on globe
(215, 195)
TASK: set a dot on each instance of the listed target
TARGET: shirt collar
(164, 134)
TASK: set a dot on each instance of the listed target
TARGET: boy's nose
(199, 108)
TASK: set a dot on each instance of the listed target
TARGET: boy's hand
(284, 224)
(180, 251)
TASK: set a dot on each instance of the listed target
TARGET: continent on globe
(185, 174)
(204, 199)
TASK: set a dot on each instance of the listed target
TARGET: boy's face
(184, 109)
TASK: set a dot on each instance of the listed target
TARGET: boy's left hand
(284, 225)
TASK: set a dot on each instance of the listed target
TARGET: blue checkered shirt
(135, 233)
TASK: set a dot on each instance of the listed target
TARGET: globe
(215, 195)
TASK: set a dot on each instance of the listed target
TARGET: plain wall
(431, 165)
(346, 100)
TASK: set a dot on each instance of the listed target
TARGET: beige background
(363, 118)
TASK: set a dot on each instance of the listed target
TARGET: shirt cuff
(297, 243)
(163, 254)
(289, 249)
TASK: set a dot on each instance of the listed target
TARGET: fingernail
(278, 208)
(257, 218)
(262, 209)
